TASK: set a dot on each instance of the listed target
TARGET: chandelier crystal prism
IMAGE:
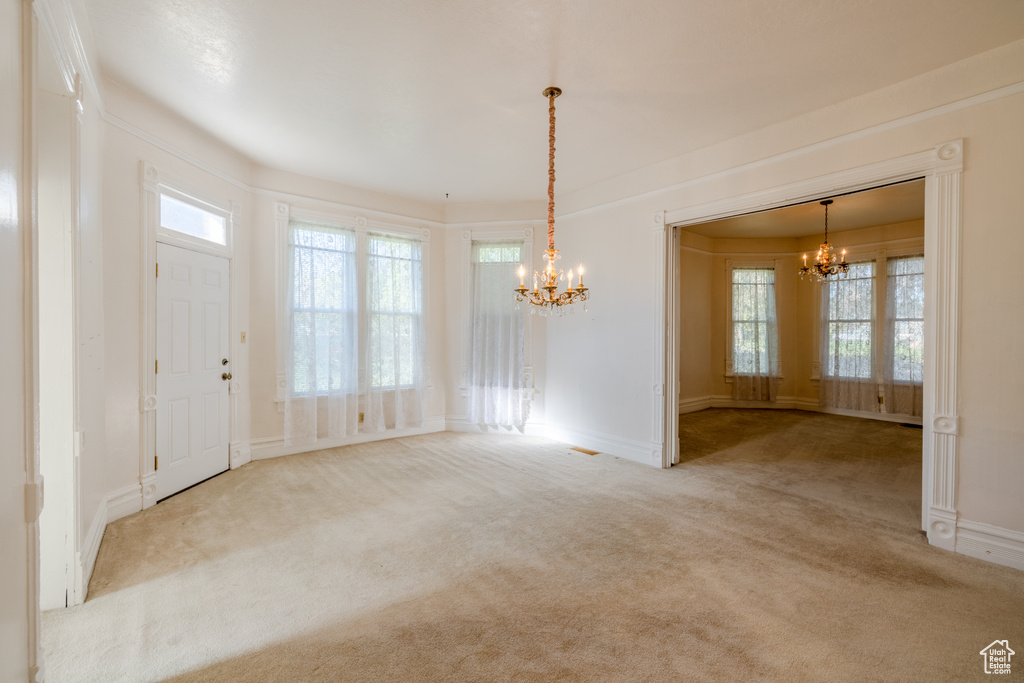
(826, 263)
(544, 297)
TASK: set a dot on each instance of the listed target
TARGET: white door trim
(152, 182)
(942, 168)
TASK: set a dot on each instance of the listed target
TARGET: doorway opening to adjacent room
(941, 170)
(771, 354)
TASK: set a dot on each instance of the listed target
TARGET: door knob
(223, 361)
(226, 376)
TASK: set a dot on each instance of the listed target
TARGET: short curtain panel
(755, 335)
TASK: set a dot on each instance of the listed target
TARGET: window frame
(895, 319)
(872, 320)
(200, 200)
(738, 264)
(859, 254)
(494, 235)
(363, 227)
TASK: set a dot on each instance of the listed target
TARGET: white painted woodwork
(192, 320)
(18, 510)
(56, 343)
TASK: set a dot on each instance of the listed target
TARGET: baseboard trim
(90, 549)
(264, 448)
(240, 454)
(637, 451)
(691, 405)
(991, 543)
(123, 502)
(459, 423)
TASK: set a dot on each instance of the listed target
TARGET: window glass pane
(191, 220)
(906, 297)
(850, 323)
(324, 307)
(753, 308)
(499, 253)
(395, 304)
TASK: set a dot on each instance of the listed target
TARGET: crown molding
(910, 119)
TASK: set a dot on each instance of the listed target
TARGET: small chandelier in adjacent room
(545, 297)
(826, 264)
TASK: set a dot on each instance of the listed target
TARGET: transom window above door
(193, 218)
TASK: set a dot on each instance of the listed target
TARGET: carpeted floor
(461, 557)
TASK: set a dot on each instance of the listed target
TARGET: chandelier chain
(551, 171)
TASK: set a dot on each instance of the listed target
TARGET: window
(849, 323)
(353, 342)
(905, 318)
(188, 218)
(497, 384)
(753, 357)
(344, 287)
(753, 317)
(323, 308)
(394, 269)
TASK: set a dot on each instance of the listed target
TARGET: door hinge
(158, 270)
(33, 499)
(156, 462)
(156, 367)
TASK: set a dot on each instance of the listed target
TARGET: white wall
(611, 390)
(15, 534)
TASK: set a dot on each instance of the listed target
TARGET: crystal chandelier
(826, 264)
(545, 298)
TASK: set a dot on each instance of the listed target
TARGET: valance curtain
(321, 336)
(903, 366)
(847, 328)
(496, 389)
(395, 355)
(755, 335)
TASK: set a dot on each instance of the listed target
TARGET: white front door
(191, 384)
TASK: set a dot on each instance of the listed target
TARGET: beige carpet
(483, 558)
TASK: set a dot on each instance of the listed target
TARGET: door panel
(192, 397)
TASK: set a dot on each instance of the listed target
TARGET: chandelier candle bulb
(522, 274)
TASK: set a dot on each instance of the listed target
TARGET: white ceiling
(421, 98)
(881, 206)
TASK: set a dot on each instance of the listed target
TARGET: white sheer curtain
(322, 321)
(755, 335)
(903, 365)
(847, 329)
(496, 381)
(395, 335)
